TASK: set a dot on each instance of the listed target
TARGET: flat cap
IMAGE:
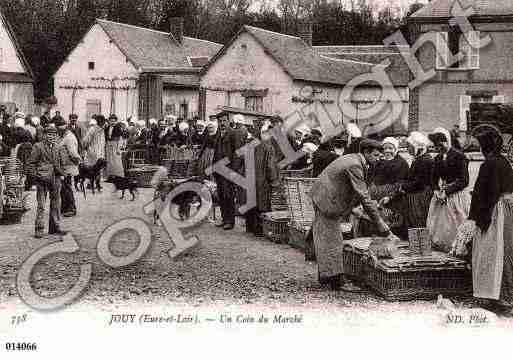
(368, 144)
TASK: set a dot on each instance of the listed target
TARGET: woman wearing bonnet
(450, 204)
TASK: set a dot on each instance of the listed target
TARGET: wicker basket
(12, 216)
(275, 226)
(279, 199)
(136, 158)
(354, 255)
(420, 241)
(410, 277)
(143, 175)
(304, 173)
(180, 169)
(297, 192)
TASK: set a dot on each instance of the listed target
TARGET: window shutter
(442, 50)
(475, 38)
(464, 109)
(498, 99)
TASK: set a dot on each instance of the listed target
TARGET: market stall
(13, 204)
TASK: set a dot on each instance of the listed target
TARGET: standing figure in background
(451, 201)
(154, 141)
(70, 159)
(45, 168)
(266, 178)
(206, 154)
(94, 144)
(417, 187)
(114, 140)
(77, 131)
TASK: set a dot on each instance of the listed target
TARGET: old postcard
(289, 177)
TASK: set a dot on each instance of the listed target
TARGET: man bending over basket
(342, 187)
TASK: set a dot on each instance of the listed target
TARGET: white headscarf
(392, 141)
(92, 122)
(182, 126)
(419, 141)
(19, 122)
(153, 121)
(35, 120)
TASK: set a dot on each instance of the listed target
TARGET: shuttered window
(254, 103)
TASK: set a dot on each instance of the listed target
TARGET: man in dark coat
(227, 143)
(77, 131)
(46, 170)
(342, 187)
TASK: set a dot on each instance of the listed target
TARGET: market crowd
(367, 182)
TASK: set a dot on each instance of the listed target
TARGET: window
(170, 109)
(91, 65)
(184, 110)
(93, 107)
(455, 42)
(254, 103)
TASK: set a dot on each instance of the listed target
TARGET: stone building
(16, 78)
(482, 75)
(276, 74)
(133, 72)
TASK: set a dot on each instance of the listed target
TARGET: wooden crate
(275, 226)
(410, 276)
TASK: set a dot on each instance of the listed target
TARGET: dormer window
(455, 42)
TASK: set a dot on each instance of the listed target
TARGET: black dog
(124, 183)
(92, 173)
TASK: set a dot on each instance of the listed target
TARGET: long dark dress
(418, 191)
(495, 180)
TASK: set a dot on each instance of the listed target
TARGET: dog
(92, 173)
(184, 200)
(124, 183)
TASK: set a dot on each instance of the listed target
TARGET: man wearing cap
(45, 168)
(227, 143)
(70, 158)
(76, 130)
(341, 188)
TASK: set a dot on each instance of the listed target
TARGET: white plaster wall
(109, 63)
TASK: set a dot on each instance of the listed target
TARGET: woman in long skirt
(418, 186)
(450, 205)
(114, 147)
(492, 211)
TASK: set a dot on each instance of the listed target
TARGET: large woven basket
(297, 192)
(303, 173)
(136, 158)
(354, 256)
(410, 277)
(12, 171)
(143, 175)
(279, 199)
(275, 226)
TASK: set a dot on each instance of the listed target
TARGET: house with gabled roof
(133, 72)
(277, 74)
(482, 75)
(16, 77)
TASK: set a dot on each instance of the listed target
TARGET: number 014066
(20, 346)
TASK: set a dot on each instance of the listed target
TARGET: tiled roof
(361, 48)
(398, 70)
(443, 8)
(148, 48)
(302, 62)
(17, 47)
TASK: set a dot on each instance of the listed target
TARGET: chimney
(176, 28)
(305, 32)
